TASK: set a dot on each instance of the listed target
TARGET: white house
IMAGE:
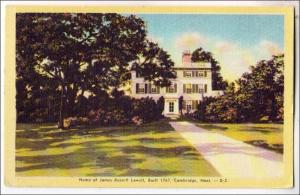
(193, 82)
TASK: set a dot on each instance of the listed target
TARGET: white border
(14, 190)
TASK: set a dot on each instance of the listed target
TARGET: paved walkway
(230, 157)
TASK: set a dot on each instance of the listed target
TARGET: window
(188, 106)
(172, 88)
(200, 74)
(187, 73)
(171, 106)
(154, 89)
(195, 104)
(194, 73)
(141, 88)
(187, 88)
(194, 88)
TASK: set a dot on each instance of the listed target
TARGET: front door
(171, 107)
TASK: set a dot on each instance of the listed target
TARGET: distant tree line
(71, 63)
(255, 97)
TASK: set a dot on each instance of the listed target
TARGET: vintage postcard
(145, 96)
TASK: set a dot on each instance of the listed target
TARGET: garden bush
(125, 110)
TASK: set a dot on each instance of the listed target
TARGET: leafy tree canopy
(200, 55)
(86, 52)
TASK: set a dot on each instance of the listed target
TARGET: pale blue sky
(244, 39)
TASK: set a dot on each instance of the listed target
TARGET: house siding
(193, 82)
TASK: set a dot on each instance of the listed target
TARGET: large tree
(261, 90)
(87, 52)
(200, 55)
(258, 96)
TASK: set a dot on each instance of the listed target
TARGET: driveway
(230, 157)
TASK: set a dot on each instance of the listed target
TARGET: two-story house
(193, 82)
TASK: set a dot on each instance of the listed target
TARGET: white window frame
(171, 107)
(188, 106)
(154, 89)
(188, 73)
(141, 88)
(190, 89)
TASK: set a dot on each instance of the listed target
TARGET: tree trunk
(61, 108)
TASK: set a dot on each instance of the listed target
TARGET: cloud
(236, 59)
(233, 58)
(190, 40)
(224, 46)
(268, 48)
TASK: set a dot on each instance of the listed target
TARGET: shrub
(160, 105)
(125, 110)
(147, 109)
(75, 121)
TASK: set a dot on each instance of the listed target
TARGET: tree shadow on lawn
(36, 139)
(184, 151)
(95, 156)
(213, 127)
(263, 144)
(264, 130)
(91, 157)
(80, 158)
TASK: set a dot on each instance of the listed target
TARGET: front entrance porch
(171, 107)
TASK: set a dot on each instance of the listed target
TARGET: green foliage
(161, 104)
(258, 97)
(201, 113)
(224, 108)
(199, 55)
(147, 109)
(260, 94)
(74, 53)
(122, 110)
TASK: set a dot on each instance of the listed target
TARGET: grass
(152, 150)
(268, 136)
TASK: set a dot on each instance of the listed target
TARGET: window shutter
(184, 90)
(197, 88)
(193, 73)
(149, 87)
(193, 104)
(205, 88)
(183, 105)
(205, 73)
(137, 88)
(183, 73)
(146, 87)
(175, 88)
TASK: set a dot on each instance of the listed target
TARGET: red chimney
(186, 57)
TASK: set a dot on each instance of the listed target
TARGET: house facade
(193, 83)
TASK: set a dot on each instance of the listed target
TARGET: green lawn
(269, 136)
(153, 150)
